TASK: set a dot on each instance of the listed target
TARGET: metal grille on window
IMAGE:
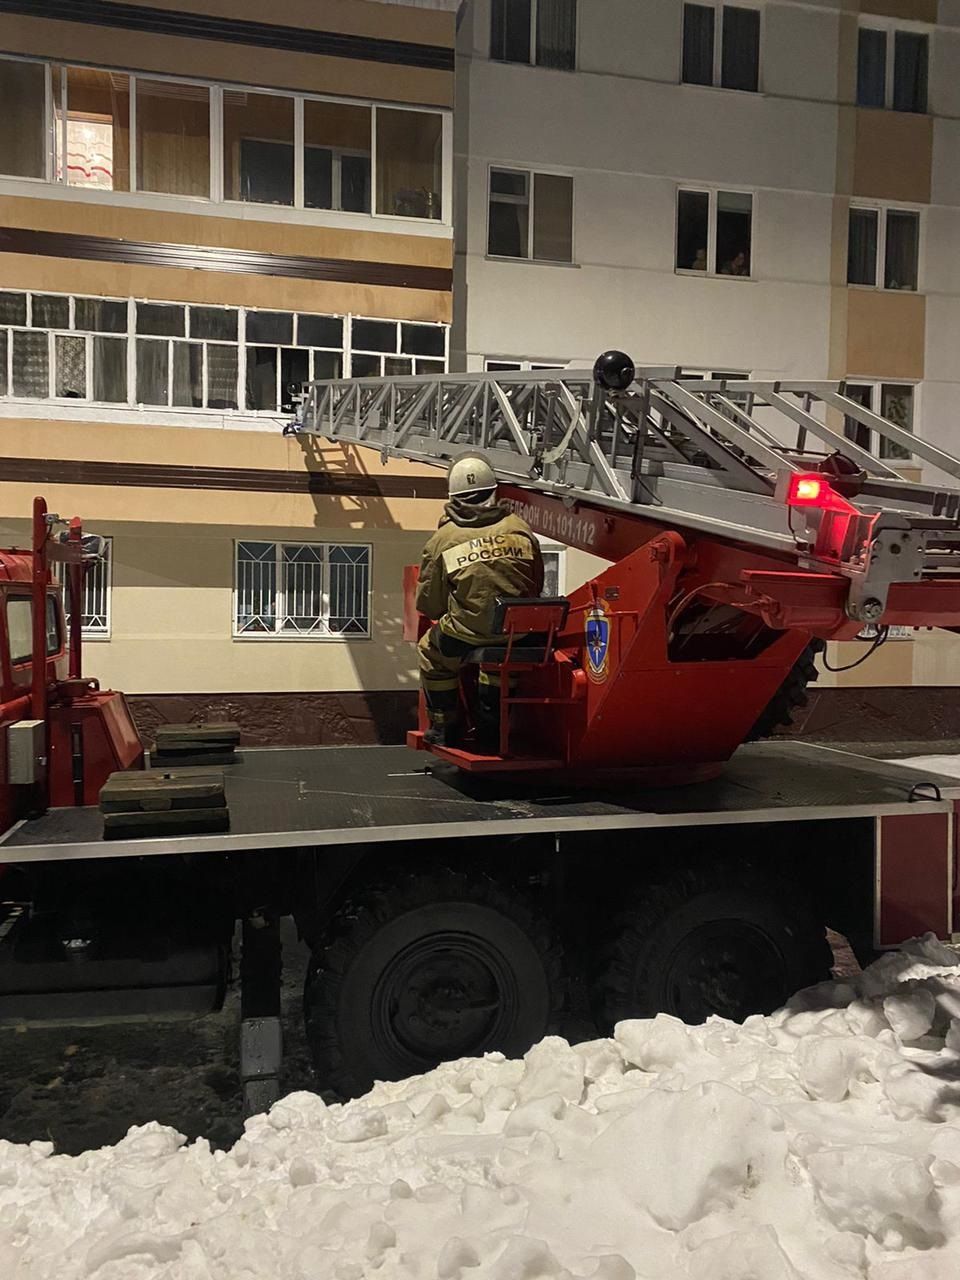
(256, 587)
(96, 595)
(302, 589)
(349, 590)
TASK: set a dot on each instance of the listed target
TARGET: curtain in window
(552, 217)
(557, 34)
(862, 247)
(910, 71)
(903, 242)
(871, 67)
(896, 403)
(740, 56)
(698, 23)
(510, 30)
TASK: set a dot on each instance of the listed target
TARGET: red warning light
(805, 489)
(808, 489)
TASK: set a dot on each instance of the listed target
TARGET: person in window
(736, 266)
(700, 261)
(480, 553)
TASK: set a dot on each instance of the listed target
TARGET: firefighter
(480, 553)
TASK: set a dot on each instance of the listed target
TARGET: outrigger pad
(163, 802)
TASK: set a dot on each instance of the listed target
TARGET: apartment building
(765, 187)
(202, 205)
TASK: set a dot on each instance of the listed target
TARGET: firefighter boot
(487, 717)
(443, 707)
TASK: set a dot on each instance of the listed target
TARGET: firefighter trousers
(441, 656)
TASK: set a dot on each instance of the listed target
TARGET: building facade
(765, 187)
(199, 210)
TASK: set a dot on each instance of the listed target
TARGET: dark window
(430, 366)
(294, 372)
(71, 366)
(22, 109)
(222, 372)
(852, 429)
(110, 370)
(740, 54)
(31, 364)
(50, 312)
(896, 404)
(159, 320)
(397, 366)
(188, 374)
(100, 315)
(269, 326)
(698, 28)
(504, 366)
(552, 217)
(213, 322)
(375, 335)
(336, 162)
(509, 232)
(693, 219)
(261, 377)
(556, 34)
(871, 68)
(902, 250)
(258, 147)
(320, 331)
(862, 247)
(327, 364)
(152, 370)
(364, 366)
(13, 308)
(510, 30)
(422, 340)
(734, 232)
(910, 71)
(266, 172)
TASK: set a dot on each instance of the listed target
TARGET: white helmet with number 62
(471, 473)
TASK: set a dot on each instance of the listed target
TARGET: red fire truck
(637, 843)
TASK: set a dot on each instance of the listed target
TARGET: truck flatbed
(285, 798)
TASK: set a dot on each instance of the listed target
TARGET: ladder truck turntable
(637, 843)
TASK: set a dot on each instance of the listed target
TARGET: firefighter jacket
(477, 555)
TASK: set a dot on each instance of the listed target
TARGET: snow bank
(822, 1143)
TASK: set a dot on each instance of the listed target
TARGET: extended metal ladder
(698, 454)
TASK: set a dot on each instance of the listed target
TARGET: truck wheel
(711, 940)
(792, 695)
(432, 968)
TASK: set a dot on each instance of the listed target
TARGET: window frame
(717, 82)
(322, 634)
(532, 60)
(889, 27)
(523, 366)
(711, 272)
(877, 386)
(431, 364)
(530, 175)
(216, 89)
(883, 209)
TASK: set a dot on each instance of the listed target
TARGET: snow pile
(821, 1143)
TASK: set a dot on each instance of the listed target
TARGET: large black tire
(717, 938)
(431, 968)
(792, 695)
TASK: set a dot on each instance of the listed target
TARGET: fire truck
(637, 842)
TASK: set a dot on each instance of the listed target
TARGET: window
(23, 98)
(409, 163)
(336, 160)
(540, 31)
(257, 147)
(92, 128)
(173, 138)
(730, 57)
(192, 357)
(714, 232)
(891, 400)
(516, 366)
(302, 590)
(894, 77)
(531, 215)
(552, 571)
(20, 628)
(883, 244)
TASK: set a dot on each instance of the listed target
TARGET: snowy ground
(821, 1143)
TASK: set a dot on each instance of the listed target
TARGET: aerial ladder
(743, 523)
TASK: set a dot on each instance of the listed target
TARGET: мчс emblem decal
(596, 630)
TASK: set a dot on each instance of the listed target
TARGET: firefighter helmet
(471, 473)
